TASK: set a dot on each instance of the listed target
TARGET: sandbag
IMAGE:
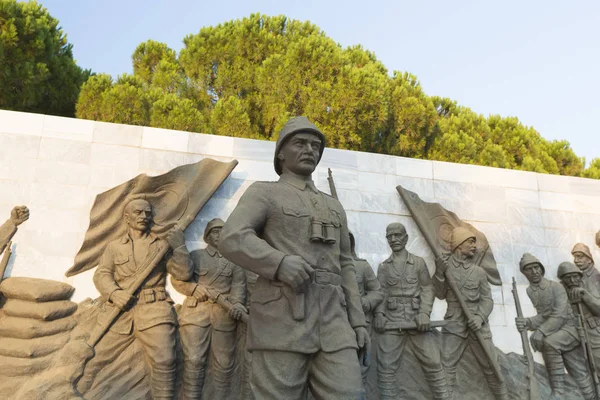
(32, 348)
(26, 328)
(47, 311)
(34, 289)
(12, 366)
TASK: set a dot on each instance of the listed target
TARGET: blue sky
(537, 60)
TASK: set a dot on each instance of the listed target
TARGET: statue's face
(397, 240)
(533, 273)
(468, 248)
(572, 280)
(581, 260)
(138, 215)
(300, 154)
(213, 237)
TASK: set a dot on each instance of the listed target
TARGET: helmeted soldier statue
(409, 297)
(554, 330)
(306, 320)
(149, 316)
(370, 293)
(572, 279)
(582, 257)
(474, 288)
(206, 326)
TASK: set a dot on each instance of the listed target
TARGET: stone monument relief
(279, 303)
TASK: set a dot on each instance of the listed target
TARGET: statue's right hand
(122, 299)
(379, 323)
(521, 324)
(294, 271)
(440, 266)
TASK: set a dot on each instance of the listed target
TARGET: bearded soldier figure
(409, 297)
(205, 325)
(475, 290)
(572, 279)
(306, 322)
(554, 330)
(582, 257)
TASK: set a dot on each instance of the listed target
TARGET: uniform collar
(457, 263)
(212, 251)
(541, 286)
(299, 184)
(126, 238)
(589, 270)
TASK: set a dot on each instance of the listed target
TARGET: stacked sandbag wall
(35, 322)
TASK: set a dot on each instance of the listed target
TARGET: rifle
(534, 391)
(411, 326)
(331, 184)
(223, 302)
(588, 355)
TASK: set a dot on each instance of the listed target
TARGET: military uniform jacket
(273, 220)
(554, 311)
(213, 271)
(368, 285)
(474, 288)
(118, 270)
(407, 287)
(591, 281)
(591, 320)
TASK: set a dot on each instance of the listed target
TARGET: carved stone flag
(436, 224)
(176, 197)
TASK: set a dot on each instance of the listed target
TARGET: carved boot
(387, 386)
(438, 384)
(557, 382)
(163, 384)
(451, 379)
(499, 390)
(193, 382)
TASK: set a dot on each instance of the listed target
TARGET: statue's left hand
(237, 310)
(19, 214)
(476, 323)
(175, 237)
(364, 345)
(423, 322)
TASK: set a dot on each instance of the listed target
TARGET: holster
(296, 300)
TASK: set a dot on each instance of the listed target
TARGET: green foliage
(247, 77)
(37, 70)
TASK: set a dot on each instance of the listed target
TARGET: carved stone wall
(57, 166)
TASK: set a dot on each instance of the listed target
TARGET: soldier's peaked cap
(529, 259)
(296, 125)
(212, 224)
(459, 236)
(567, 267)
(582, 248)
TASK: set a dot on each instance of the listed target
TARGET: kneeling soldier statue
(206, 325)
(554, 330)
(587, 306)
(409, 297)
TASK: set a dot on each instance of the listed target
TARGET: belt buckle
(149, 296)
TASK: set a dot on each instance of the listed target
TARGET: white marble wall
(57, 166)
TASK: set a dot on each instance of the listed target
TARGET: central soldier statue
(306, 323)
